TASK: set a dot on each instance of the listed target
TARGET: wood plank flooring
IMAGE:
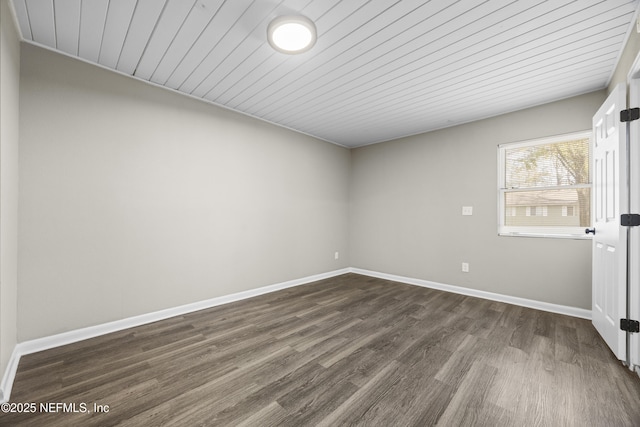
(350, 350)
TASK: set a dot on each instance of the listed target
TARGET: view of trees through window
(548, 184)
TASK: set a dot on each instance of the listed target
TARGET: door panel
(609, 241)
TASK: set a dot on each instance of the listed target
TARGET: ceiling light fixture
(291, 34)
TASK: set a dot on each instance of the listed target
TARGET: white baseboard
(46, 343)
(9, 375)
(538, 305)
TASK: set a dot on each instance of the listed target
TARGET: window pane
(548, 208)
(548, 165)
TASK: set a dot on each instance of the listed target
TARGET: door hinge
(630, 325)
(630, 115)
(630, 220)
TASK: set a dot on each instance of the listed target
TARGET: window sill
(548, 236)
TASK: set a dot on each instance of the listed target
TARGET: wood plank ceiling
(381, 69)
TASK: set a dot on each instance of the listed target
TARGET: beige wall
(625, 62)
(135, 199)
(9, 124)
(406, 202)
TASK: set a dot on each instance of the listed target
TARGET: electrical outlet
(465, 267)
(336, 255)
(467, 210)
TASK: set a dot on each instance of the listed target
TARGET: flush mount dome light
(291, 34)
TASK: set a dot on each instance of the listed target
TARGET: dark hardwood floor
(350, 350)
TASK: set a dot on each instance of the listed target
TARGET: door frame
(633, 94)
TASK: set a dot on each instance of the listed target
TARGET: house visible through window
(545, 186)
(537, 210)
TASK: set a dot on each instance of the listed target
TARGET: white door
(608, 202)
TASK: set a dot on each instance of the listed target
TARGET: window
(544, 186)
(537, 211)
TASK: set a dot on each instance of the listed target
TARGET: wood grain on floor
(350, 350)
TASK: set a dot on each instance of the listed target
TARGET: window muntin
(545, 186)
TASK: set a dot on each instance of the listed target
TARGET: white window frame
(535, 231)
